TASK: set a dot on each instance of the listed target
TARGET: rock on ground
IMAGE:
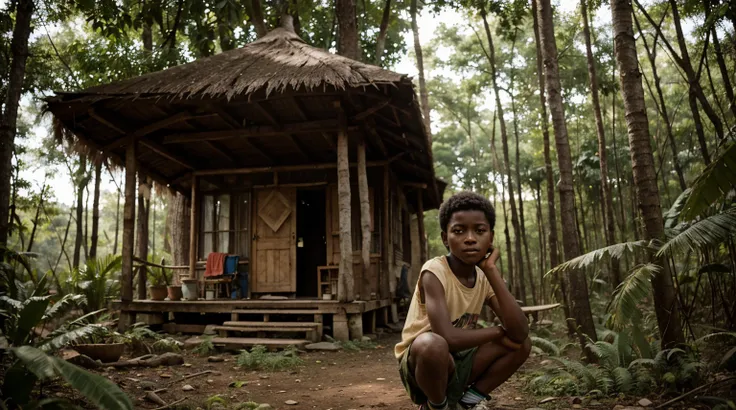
(327, 346)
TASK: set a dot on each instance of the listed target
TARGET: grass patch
(205, 347)
(259, 358)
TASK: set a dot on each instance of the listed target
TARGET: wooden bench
(530, 311)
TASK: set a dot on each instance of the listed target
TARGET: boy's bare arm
(439, 319)
(505, 306)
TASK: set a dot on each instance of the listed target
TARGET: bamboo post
(365, 207)
(420, 226)
(194, 217)
(385, 236)
(126, 292)
(346, 283)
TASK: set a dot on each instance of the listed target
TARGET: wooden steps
(243, 342)
(313, 330)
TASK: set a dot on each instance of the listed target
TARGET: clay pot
(158, 292)
(174, 292)
(106, 353)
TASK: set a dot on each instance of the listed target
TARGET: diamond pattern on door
(274, 210)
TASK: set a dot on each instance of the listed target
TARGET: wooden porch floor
(227, 306)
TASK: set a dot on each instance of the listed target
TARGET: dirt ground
(340, 380)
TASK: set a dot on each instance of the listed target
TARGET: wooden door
(274, 241)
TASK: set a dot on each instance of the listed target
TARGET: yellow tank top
(464, 304)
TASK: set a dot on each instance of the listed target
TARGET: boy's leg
(431, 364)
(494, 364)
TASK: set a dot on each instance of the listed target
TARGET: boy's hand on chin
(489, 264)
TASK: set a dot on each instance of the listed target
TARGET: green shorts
(456, 384)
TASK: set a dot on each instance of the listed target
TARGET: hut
(309, 166)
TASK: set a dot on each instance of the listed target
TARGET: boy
(443, 358)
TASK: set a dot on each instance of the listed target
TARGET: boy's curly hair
(466, 201)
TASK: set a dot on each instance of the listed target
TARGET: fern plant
(259, 358)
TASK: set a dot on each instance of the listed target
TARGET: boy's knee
(526, 348)
(430, 345)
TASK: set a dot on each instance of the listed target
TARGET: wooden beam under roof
(152, 145)
(299, 147)
(256, 131)
(303, 115)
(234, 124)
(132, 136)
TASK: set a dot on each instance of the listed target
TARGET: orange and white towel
(215, 264)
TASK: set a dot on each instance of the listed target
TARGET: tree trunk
(690, 73)
(179, 226)
(345, 288)
(9, 115)
(423, 93)
(507, 163)
(35, 219)
(725, 77)
(96, 212)
(607, 208)
(497, 168)
(79, 233)
(522, 225)
(577, 286)
(255, 11)
(541, 255)
(365, 207)
(662, 106)
(117, 225)
(383, 33)
(645, 179)
(348, 40)
(551, 211)
(126, 276)
(144, 195)
(619, 181)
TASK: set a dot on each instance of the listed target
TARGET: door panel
(274, 240)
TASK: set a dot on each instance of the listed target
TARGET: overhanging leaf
(629, 293)
(101, 392)
(711, 231)
(616, 251)
(29, 317)
(712, 185)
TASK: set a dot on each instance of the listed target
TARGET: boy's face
(468, 236)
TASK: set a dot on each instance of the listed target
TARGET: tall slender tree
(645, 178)
(607, 202)
(576, 282)
(24, 10)
(95, 211)
(423, 93)
(662, 105)
(519, 275)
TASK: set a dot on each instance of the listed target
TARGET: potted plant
(158, 283)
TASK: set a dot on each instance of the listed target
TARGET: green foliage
(205, 347)
(98, 280)
(545, 346)
(629, 293)
(215, 399)
(707, 232)
(259, 358)
(141, 338)
(619, 370)
(100, 392)
(712, 186)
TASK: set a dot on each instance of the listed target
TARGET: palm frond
(712, 185)
(63, 337)
(707, 232)
(62, 305)
(545, 345)
(629, 293)
(591, 258)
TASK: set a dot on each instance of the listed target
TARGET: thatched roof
(269, 103)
